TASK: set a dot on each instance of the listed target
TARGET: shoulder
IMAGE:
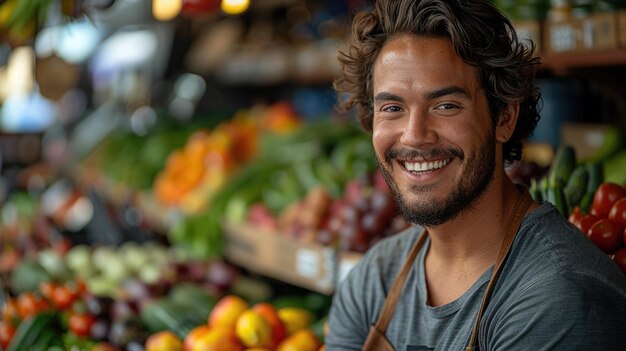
(547, 244)
(556, 286)
(566, 311)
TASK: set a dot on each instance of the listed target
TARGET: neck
(471, 241)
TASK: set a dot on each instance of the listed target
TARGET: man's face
(432, 132)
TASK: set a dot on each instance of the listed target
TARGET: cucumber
(31, 330)
(557, 198)
(562, 167)
(576, 186)
(596, 176)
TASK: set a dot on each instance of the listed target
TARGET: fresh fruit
(227, 311)
(586, 222)
(576, 215)
(295, 319)
(606, 195)
(607, 235)
(164, 341)
(217, 339)
(80, 324)
(618, 212)
(193, 336)
(302, 340)
(253, 330)
(620, 258)
(270, 314)
(7, 330)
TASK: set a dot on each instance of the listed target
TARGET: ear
(507, 122)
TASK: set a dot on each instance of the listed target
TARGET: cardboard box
(268, 253)
(530, 31)
(598, 31)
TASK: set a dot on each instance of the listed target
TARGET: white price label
(307, 263)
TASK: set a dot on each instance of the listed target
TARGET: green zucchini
(31, 330)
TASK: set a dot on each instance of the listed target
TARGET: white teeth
(425, 166)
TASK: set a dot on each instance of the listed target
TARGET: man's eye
(391, 108)
(446, 106)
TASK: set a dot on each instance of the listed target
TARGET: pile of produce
(362, 215)
(327, 153)
(590, 195)
(195, 172)
(87, 295)
(235, 324)
(605, 223)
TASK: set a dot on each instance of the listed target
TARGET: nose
(418, 130)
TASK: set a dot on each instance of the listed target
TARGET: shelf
(567, 60)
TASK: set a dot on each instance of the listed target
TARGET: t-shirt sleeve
(564, 313)
(347, 318)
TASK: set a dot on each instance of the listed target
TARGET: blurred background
(208, 129)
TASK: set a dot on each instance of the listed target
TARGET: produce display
(327, 153)
(235, 324)
(587, 194)
(195, 172)
(354, 221)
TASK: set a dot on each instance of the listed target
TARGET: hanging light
(235, 7)
(165, 10)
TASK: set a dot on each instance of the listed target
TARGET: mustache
(436, 152)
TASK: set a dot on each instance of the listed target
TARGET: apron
(376, 340)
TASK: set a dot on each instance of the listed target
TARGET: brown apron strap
(398, 285)
(512, 227)
(376, 340)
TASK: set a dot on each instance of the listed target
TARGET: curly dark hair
(482, 37)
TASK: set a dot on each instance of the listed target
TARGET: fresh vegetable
(586, 222)
(607, 235)
(32, 330)
(618, 212)
(606, 195)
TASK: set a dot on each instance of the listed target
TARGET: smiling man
(447, 92)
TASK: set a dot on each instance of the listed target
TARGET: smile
(425, 166)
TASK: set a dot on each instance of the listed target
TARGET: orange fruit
(295, 319)
(217, 339)
(164, 341)
(270, 313)
(301, 340)
(226, 312)
(253, 330)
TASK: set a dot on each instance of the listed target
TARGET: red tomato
(80, 324)
(604, 198)
(586, 222)
(576, 216)
(28, 305)
(7, 330)
(607, 235)
(63, 297)
(47, 289)
(620, 259)
(618, 212)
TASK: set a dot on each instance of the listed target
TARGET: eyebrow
(451, 90)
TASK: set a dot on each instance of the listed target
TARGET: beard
(478, 174)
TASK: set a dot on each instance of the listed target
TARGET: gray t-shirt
(557, 291)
